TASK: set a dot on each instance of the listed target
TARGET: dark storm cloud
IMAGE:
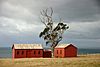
(97, 3)
(79, 10)
(69, 10)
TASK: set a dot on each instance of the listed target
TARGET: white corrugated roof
(28, 46)
(62, 45)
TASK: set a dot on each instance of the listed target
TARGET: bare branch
(43, 21)
(51, 11)
(46, 12)
(42, 13)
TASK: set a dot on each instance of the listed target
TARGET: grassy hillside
(92, 60)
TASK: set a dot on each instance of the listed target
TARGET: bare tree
(51, 34)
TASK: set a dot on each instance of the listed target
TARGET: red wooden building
(29, 51)
(65, 50)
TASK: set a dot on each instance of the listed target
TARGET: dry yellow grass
(92, 60)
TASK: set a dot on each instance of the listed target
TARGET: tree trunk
(52, 51)
(53, 47)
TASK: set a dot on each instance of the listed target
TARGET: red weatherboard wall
(69, 51)
(59, 52)
(47, 54)
(35, 53)
(20, 55)
(27, 53)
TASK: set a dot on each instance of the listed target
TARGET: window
(22, 52)
(17, 52)
(38, 52)
(60, 51)
(34, 52)
(57, 51)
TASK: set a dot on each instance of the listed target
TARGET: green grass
(92, 60)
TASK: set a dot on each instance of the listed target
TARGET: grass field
(91, 60)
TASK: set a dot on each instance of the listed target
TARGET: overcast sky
(20, 22)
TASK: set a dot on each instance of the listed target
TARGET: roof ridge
(62, 45)
(28, 46)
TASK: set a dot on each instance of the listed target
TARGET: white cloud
(16, 26)
(83, 30)
(84, 26)
(8, 7)
(17, 12)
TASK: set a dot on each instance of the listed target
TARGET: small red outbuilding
(47, 54)
(27, 51)
(65, 50)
